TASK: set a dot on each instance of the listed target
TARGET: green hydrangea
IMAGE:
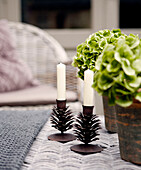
(118, 74)
(92, 48)
(116, 60)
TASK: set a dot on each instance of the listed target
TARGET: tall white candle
(88, 90)
(61, 82)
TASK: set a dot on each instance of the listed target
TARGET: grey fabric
(18, 130)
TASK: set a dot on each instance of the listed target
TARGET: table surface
(51, 155)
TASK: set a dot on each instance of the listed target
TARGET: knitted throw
(18, 130)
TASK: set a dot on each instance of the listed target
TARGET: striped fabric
(52, 155)
(14, 73)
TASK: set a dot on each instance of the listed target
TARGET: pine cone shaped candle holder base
(62, 137)
(85, 149)
(62, 120)
(86, 130)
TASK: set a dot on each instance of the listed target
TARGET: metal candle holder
(62, 137)
(86, 148)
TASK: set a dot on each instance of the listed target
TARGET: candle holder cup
(62, 120)
(86, 130)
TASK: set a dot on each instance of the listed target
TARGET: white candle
(61, 82)
(88, 90)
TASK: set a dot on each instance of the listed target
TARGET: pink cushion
(42, 94)
(14, 73)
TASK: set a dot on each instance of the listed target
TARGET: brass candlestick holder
(86, 130)
(62, 119)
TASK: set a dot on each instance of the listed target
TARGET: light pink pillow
(14, 73)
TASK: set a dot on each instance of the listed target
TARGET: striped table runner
(50, 155)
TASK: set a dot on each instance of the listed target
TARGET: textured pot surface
(110, 116)
(129, 132)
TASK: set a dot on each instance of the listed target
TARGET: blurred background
(71, 21)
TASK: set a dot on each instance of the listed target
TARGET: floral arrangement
(89, 51)
(116, 60)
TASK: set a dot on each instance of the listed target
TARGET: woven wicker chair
(42, 53)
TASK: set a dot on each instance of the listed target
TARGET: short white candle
(61, 82)
(88, 90)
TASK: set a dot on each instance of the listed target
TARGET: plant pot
(129, 132)
(110, 116)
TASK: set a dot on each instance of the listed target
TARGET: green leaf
(135, 82)
(120, 77)
(98, 62)
(105, 81)
(106, 33)
(109, 47)
(127, 86)
(114, 66)
(93, 44)
(103, 43)
(124, 92)
(127, 67)
(80, 47)
(117, 57)
(137, 65)
(124, 101)
(120, 44)
(116, 30)
(135, 44)
(128, 53)
(138, 96)
(111, 96)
